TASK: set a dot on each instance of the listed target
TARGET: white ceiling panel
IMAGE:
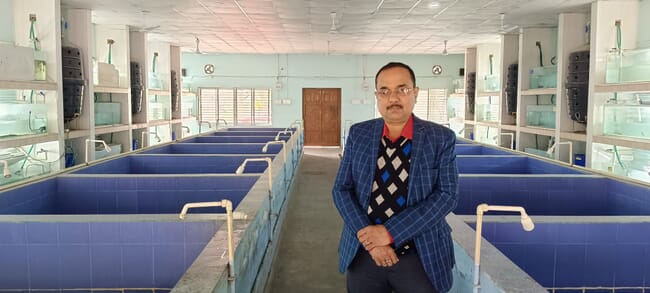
(299, 26)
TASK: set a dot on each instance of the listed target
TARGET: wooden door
(321, 112)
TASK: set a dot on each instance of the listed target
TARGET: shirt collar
(407, 131)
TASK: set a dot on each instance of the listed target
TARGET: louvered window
(237, 106)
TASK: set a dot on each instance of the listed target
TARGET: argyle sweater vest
(390, 185)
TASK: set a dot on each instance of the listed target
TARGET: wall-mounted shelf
(111, 90)
(623, 87)
(158, 92)
(110, 129)
(72, 134)
(470, 122)
(488, 124)
(28, 139)
(158, 123)
(623, 141)
(574, 136)
(509, 127)
(28, 85)
(488, 94)
(176, 121)
(139, 126)
(542, 91)
(536, 130)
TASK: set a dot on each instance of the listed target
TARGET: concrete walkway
(307, 259)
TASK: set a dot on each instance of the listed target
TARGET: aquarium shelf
(27, 140)
(542, 91)
(623, 87)
(28, 85)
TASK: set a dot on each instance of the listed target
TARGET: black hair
(394, 65)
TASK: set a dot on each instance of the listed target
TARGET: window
(431, 104)
(237, 106)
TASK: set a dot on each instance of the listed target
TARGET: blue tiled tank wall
(70, 194)
(99, 255)
(510, 165)
(205, 148)
(554, 195)
(234, 139)
(169, 164)
(578, 254)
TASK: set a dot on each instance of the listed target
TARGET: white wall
(316, 71)
(643, 40)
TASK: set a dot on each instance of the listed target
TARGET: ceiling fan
(333, 28)
(197, 50)
(444, 51)
(501, 29)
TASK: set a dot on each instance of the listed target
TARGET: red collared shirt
(407, 131)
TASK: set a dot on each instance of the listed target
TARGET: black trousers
(407, 276)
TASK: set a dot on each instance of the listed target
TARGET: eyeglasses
(401, 92)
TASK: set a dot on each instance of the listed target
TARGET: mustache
(397, 106)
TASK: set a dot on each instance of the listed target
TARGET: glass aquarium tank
(487, 109)
(628, 65)
(628, 116)
(22, 113)
(159, 107)
(491, 83)
(540, 116)
(189, 106)
(107, 113)
(486, 134)
(543, 77)
(622, 161)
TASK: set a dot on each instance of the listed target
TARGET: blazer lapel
(418, 142)
(371, 159)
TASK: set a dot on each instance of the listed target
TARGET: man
(396, 183)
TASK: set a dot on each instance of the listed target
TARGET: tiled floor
(307, 258)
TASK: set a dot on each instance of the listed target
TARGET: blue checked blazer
(433, 193)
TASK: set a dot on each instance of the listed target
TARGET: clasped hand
(376, 240)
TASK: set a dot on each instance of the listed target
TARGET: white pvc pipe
(282, 142)
(526, 222)
(554, 146)
(5, 171)
(207, 122)
(227, 204)
(106, 147)
(224, 122)
(240, 169)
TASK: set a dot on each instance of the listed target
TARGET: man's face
(395, 95)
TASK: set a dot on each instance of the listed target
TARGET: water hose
(110, 45)
(491, 56)
(539, 46)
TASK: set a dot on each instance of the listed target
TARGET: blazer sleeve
(345, 198)
(430, 212)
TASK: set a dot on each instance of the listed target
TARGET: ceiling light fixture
(413, 7)
(434, 4)
(378, 6)
(243, 11)
(444, 51)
